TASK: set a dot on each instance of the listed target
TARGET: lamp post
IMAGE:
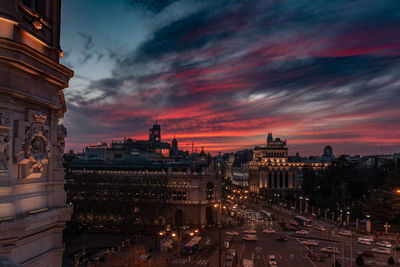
(307, 199)
(219, 232)
(178, 236)
(368, 225)
(348, 218)
(301, 204)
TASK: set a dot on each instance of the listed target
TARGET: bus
(265, 213)
(303, 221)
(191, 246)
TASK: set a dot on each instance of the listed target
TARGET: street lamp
(368, 226)
(179, 238)
(301, 204)
(219, 231)
(307, 199)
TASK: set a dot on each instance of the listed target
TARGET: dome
(328, 151)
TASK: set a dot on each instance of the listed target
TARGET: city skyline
(223, 74)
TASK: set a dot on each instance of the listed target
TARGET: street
(288, 253)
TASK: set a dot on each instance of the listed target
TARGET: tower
(32, 197)
(155, 133)
(174, 148)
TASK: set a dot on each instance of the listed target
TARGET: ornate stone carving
(4, 142)
(4, 154)
(36, 142)
(4, 120)
(61, 134)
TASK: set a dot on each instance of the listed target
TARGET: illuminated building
(270, 168)
(135, 191)
(32, 197)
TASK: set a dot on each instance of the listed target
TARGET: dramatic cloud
(225, 73)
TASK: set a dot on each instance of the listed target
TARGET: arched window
(209, 191)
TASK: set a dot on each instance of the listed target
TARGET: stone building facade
(270, 168)
(134, 191)
(32, 197)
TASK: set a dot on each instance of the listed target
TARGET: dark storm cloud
(306, 69)
(155, 6)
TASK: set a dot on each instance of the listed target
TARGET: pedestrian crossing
(179, 261)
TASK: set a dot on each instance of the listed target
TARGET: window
(178, 195)
(209, 191)
(38, 5)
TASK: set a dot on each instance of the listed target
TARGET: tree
(385, 203)
(359, 260)
(391, 261)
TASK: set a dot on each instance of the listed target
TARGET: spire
(156, 118)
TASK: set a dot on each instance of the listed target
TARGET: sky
(222, 74)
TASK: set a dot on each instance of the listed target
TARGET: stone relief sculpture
(61, 134)
(36, 142)
(4, 142)
(3, 154)
(4, 119)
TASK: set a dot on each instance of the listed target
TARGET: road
(290, 253)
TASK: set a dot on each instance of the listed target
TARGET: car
(272, 260)
(249, 237)
(368, 238)
(311, 243)
(366, 253)
(269, 231)
(250, 231)
(247, 263)
(384, 244)
(381, 251)
(232, 233)
(229, 260)
(317, 256)
(302, 232)
(363, 242)
(330, 250)
(320, 228)
(232, 251)
(345, 233)
(281, 238)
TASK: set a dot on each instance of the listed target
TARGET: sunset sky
(222, 74)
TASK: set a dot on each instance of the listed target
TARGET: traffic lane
(346, 249)
(288, 253)
(342, 239)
